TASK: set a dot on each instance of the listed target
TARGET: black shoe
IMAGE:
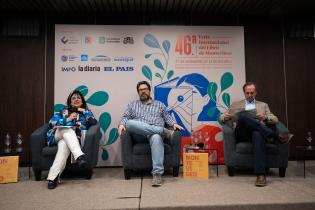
(82, 162)
(53, 184)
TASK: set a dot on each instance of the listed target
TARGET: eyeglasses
(143, 89)
(76, 98)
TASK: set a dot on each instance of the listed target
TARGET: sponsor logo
(64, 40)
(66, 49)
(108, 68)
(69, 40)
(100, 58)
(123, 59)
(113, 40)
(89, 68)
(101, 40)
(66, 58)
(88, 40)
(124, 68)
(128, 40)
(84, 57)
(68, 69)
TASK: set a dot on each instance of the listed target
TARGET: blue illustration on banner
(187, 99)
(190, 98)
(99, 98)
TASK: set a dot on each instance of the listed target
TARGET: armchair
(43, 155)
(240, 155)
(137, 156)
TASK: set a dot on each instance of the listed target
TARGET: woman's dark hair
(77, 92)
(143, 83)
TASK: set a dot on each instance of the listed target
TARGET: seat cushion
(136, 138)
(49, 151)
(144, 149)
(247, 148)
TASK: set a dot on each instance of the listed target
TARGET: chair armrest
(38, 142)
(91, 143)
(229, 140)
(229, 135)
(93, 133)
(283, 148)
(126, 148)
(175, 143)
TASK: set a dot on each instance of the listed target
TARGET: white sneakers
(157, 180)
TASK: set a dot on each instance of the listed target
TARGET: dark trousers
(250, 129)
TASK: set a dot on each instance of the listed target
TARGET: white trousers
(67, 142)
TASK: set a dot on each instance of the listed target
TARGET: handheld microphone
(200, 145)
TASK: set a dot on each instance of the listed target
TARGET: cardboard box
(195, 165)
(9, 169)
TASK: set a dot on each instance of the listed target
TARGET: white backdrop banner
(196, 71)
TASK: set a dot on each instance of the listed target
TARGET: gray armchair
(43, 156)
(137, 156)
(240, 155)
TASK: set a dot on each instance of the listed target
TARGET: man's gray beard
(144, 97)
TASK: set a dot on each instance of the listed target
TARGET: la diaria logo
(89, 68)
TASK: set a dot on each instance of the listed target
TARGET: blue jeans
(154, 135)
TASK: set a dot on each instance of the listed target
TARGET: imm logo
(68, 69)
(64, 58)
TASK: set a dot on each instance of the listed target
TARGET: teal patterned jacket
(83, 122)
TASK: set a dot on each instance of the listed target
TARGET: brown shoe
(285, 138)
(261, 181)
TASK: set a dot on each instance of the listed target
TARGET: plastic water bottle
(7, 143)
(19, 142)
(309, 139)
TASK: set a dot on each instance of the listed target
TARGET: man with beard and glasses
(147, 117)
